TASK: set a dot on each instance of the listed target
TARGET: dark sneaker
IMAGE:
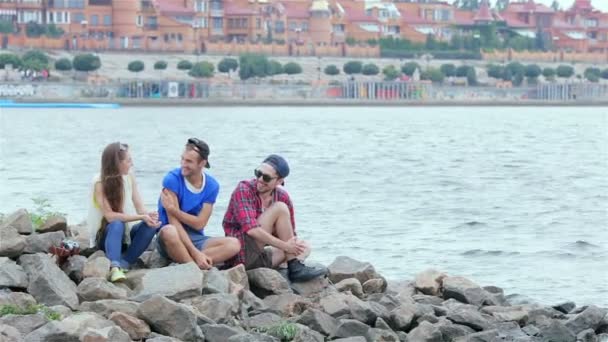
(298, 272)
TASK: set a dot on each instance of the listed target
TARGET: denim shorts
(198, 241)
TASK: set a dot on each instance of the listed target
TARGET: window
(218, 24)
(78, 17)
(258, 23)
(179, 37)
(292, 25)
(107, 20)
(139, 21)
(58, 4)
(279, 26)
(204, 23)
(200, 6)
(152, 22)
(94, 20)
(304, 26)
(76, 3)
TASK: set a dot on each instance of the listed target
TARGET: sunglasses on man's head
(266, 178)
(123, 147)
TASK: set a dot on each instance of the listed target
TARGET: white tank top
(95, 215)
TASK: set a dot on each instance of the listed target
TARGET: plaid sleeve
(243, 202)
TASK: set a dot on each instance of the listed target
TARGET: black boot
(298, 272)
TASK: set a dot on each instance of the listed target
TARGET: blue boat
(12, 104)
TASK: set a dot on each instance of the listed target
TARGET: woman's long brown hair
(111, 179)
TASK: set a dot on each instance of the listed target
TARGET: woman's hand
(150, 221)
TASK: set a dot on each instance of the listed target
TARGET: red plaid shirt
(243, 211)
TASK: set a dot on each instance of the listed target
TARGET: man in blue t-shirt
(184, 208)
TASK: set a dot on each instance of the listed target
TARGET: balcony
(151, 27)
(216, 12)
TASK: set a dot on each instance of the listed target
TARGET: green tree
(6, 26)
(565, 71)
(372, 42)
(390, 72)
(592, 74)
(431, 42)
(432, 74)
(331, 70)
(275, 68)
(10, 58)
(292, 68)
(184, 65)
(160, 65)
(448, 70)
(516, 68)
(471, 76)
(370, 69)
(533, 71)
(35, 60)
(549, 73)
(227, 64)
(462, 70)
(518, 79)
(252, 65)
(555, 5)
(351, 41)
(605, 74)
(34, 30)
(86, 62)
(53, 31)
(352, 67)
(495, 71)
(63, 64)
(409, 68)
(202, 70)
(136, 66)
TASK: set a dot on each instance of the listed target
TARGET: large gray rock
(97, 266)
(317, 286)
(20, 299)
(351, 284)
(318, 321)
(47, 283)
(68, 330)
(516, 313)
(263, 320)
(135, 327)
(11, 274)
(305, 334)
(24, 323)
(12, 243)
(361, 310)
(469, 316)
(380, 335)
(590, 318)
(482, 336)
(429, 282)
(41, 243)
(107, 334)
(287, 304)
(219, 332)
(9, 334)
(451, 331)
(238, 275)
(377, 285)
(464, 290)
(344, 267)
(54, 224)
(351, 328)
(351, 339)
(565, 307)
(265, 281)
(587, 335)
(108, 306)
(215, 281)
(425, 332)
(92, 289)
(174, 282)
(495, 296)
(220, 307)
(20, 220)
(170, 318)
(554, 330)
(251, 302)
(74, 267)
(252, 337)
(402, 317)
(335, 305)
(153, 259)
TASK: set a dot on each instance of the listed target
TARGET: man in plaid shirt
(260, 214)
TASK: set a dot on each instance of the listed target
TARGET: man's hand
(294, 246)
(169, 202)
(203, 261)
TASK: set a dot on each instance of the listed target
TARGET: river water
(512, 197)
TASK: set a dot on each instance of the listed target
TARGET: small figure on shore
(117, 216)
(185, 205)
(260, 214)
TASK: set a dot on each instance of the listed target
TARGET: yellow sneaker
(117, 274)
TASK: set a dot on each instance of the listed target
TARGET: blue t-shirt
(189, 201)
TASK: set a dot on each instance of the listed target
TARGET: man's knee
(169, 234)
(233, 244)
(281, 207)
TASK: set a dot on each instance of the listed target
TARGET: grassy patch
(42, 212)
(30, 310)
(285, 331)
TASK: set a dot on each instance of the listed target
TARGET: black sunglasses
(266, 178)
(122, 147)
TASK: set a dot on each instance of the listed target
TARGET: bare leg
(276, 220)
(278, 256)
(173, 244)
(221, 249)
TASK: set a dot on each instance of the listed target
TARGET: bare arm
(137, 201)
(109, 214)
(260, 234)
(171, 205)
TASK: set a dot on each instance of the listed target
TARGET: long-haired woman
(117, 216)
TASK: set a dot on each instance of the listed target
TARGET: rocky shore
(44, 298)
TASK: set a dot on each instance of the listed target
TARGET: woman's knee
(116, 225)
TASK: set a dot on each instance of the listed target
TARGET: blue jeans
(111, 242)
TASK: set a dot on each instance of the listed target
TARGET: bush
(564, 71)
(432, 74)
(227, 64)
(184, 65)
(275, 68)
(533, 71)
(35, 60)
(370, 69)
(462, 70)
(292, 68)
(333, 70)
(592, 74)
(390, 72)
(136, 66)
(593, 77)
(372, 42)
(6, 26)
(352, 67)
(251, 65)
(604, 74)
(31, 309)
(202, 70)
(471, 76)
(34, 30)
(53, 31)
(9, 58)
(549, 73)
(63, 64)
(409, 68)
(351, 41)
(448, 70)
(86, 62)
(516, 68)
(518, 79)
(160, 65)
(496, 71)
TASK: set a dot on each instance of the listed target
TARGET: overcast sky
(599, 4)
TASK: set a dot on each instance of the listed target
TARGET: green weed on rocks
(285, 331)
(42, 212)
(30, 310)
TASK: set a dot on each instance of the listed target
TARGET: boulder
(108, 306)
(54, 224)
(429, 282)
(287, 304)
(564, 307)
(318, 321)
(219, 332)
(135, 327)
(516, 313)
(426, 299)
(495, 296)
(74, 268)
(16, 298)
(351, 339)
(305, 334)
(469, 316)
(238, 275)
(25, 324)
(361, 310)
(335, 305)
(351, 284)
(171, 318)
(215, 281)
(174, 282)
(107, 334)
(425, 332)
(68, 329)
(554, 330)
(265, 281)
(219, 307)
(265, 319)
(590, 318)
(379, 335)
(402, 317)
(12, 243)
(587, 335)
(312, 287)
(97, 266)
(41, 243)
(92, 289)
(153, 259)
(344, 267)
(9, 334)
(483, 336)
(381, 324)
(251, 302)
(451, 331)
(464, 290)
(47, 283)
(351, 328)
(377, 285)
(19, 220)
(12, 275)
(252, 337)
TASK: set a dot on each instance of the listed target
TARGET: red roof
(413, 19)
(462, 17)
(173, 7)
(529, 6)
(297, 10)
(514, 22)
(358, 15)
(231, 8)
(483, 14)
(582, 5)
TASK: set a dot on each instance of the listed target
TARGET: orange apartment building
(305, 25)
